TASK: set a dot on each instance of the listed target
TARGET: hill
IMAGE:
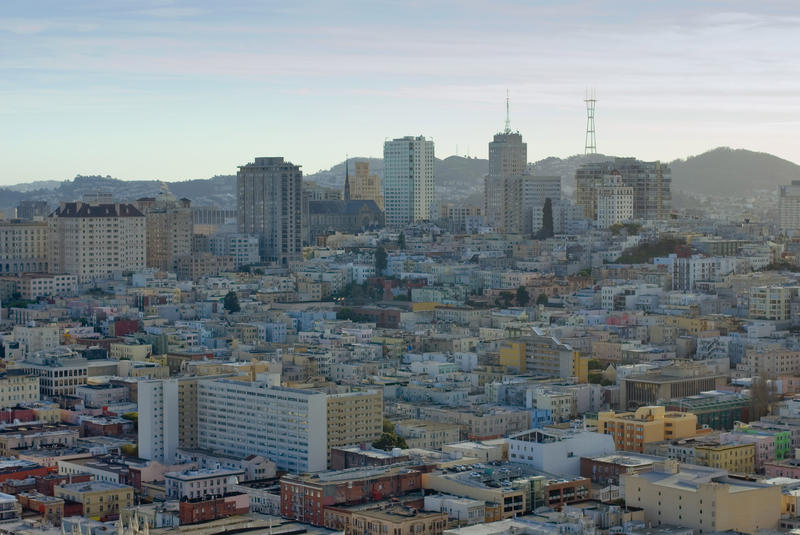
(732, 172)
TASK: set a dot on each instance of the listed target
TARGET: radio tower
(508, 116)
(591, 142)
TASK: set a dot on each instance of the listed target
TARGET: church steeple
(346, 178)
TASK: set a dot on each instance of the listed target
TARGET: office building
(96, 241)
(23, 246)
(60, 371)
(524, 197)
(200, 483)
(365, 186)
(704, 499)
(666, 384)
(408, 180)
(614, 202)
(508, 157)
(398, 520)
(557, 451)
(241, 248)
(169, 229)
(269, 201)
(789, 207)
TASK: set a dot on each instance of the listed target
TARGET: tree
(231, 302)
(401, 240)
(547, 220)
(523, 297)
(542, 299)
(380, 260)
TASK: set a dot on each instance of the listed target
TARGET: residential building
(201, 483)
(286, 425)
(508, 157)
(159, 419)
(408, 180)
(538, 353)
(632, 430)
(772, 302)
(614, 202)
(24, 246)
(354, 418)
(426, 434)
(242, 248)
(169, 229)
(32, 286)
(704, 499)
(732, 457)
(17, 387)
(269, 202)
(99, 498)
(32, 210)
(398, 520)
(772, 360)
(96, 241)
(524, 197)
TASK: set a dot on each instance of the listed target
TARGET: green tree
(380, 260)
(387, 441)
(523, 297)
(547, 221)
(401, 240)
(231, 302)
(595, 364)
(542, 299)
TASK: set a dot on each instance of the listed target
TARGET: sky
(175, 90)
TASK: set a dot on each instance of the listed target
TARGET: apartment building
(17, 387)
(632, 430)
(23, 246)
(354, 417)
(99, 498)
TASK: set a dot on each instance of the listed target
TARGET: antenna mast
(508, 115)
(591, 142)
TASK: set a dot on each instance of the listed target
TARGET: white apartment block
(614, 202)
(200, 483)
(158, 420)
(96, 241)
(286, 425)
(408, 180)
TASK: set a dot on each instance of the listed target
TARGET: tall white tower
(408, 180)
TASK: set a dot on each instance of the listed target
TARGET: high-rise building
(242, 248)
(508, 157)
(169, 229)
(365, 186)
(614, 201)
(408, 180)
(789, 206)
(269, 200)
(23, 246)
(95, 241)
(651, 183)
(158, 429)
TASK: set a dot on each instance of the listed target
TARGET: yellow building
(737, 458)
(632, 430)
(544, 355)
(511, 501)
(364, 186)
(130, 351)
(16, 387)
(99, 498)
(354, 417)
(704, 499)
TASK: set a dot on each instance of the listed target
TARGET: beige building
(169, 229)
(772, 302)
(632, 430)
(704, 499)
(365, 186)
(426, 434)
(130, 351)
(99, 498)
(770, 361)
(16, 387)
(397, 520)
(23, 246)
(738, 458)
(354, 417)
(94, 241)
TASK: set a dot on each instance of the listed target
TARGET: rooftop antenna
(508, 115)
(591, 142)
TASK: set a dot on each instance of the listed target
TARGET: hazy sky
(189, 89)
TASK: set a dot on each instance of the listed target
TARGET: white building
(243, 248)
(557, 451)
(60, 371)
(408, 180)
(462, 510)
(158, 420)
(614, 201)
(95, 241)
(200, 483)
(286, 425)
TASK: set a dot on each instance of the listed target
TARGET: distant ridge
(721, 172)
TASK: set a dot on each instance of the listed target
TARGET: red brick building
(305, 497)
(205, 510)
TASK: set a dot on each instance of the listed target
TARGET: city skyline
(177, 90)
